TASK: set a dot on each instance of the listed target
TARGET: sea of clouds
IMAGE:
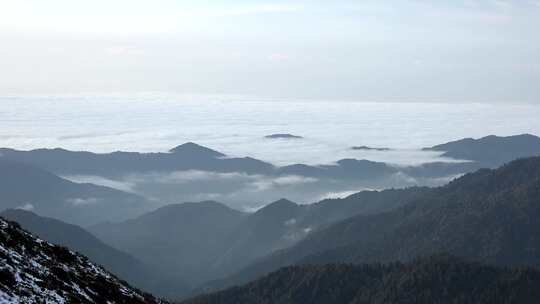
(237, 125)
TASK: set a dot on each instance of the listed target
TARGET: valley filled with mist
(193, 219)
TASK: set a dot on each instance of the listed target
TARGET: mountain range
(208, 240)
(188, 156)
(489, 215)
(192, 173)
(490, 151)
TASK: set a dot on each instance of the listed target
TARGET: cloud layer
(159, 122)
(240, 190)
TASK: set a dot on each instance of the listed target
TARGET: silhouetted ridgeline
(184, 157)
(212, 240)
(490, 151)
(439, 279)
(180, 239)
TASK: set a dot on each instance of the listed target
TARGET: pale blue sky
(483, 50)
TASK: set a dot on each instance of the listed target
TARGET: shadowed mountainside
(438, 279)
(182, 239)
(490, 215)
(29, 187)
(77, 239)
(207, 240)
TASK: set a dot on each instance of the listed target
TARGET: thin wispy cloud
(122, 185)
(26, 207)
(80, 202)
(341, 194)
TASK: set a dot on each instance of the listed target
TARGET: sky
(421, 51)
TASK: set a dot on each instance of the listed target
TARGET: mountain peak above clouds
(491, 151)
(193, 149)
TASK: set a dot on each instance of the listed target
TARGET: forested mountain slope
(438, 279)
(490, 215)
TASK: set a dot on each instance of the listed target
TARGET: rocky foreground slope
(35, 271)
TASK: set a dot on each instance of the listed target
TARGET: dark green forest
(436, 279)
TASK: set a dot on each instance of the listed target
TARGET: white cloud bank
(80, 202)
(26, 207)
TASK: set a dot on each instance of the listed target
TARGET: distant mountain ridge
(24, 169)
(185, 157)
(189, 156)
(191, 149)
(32, 188)
(490, 151)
